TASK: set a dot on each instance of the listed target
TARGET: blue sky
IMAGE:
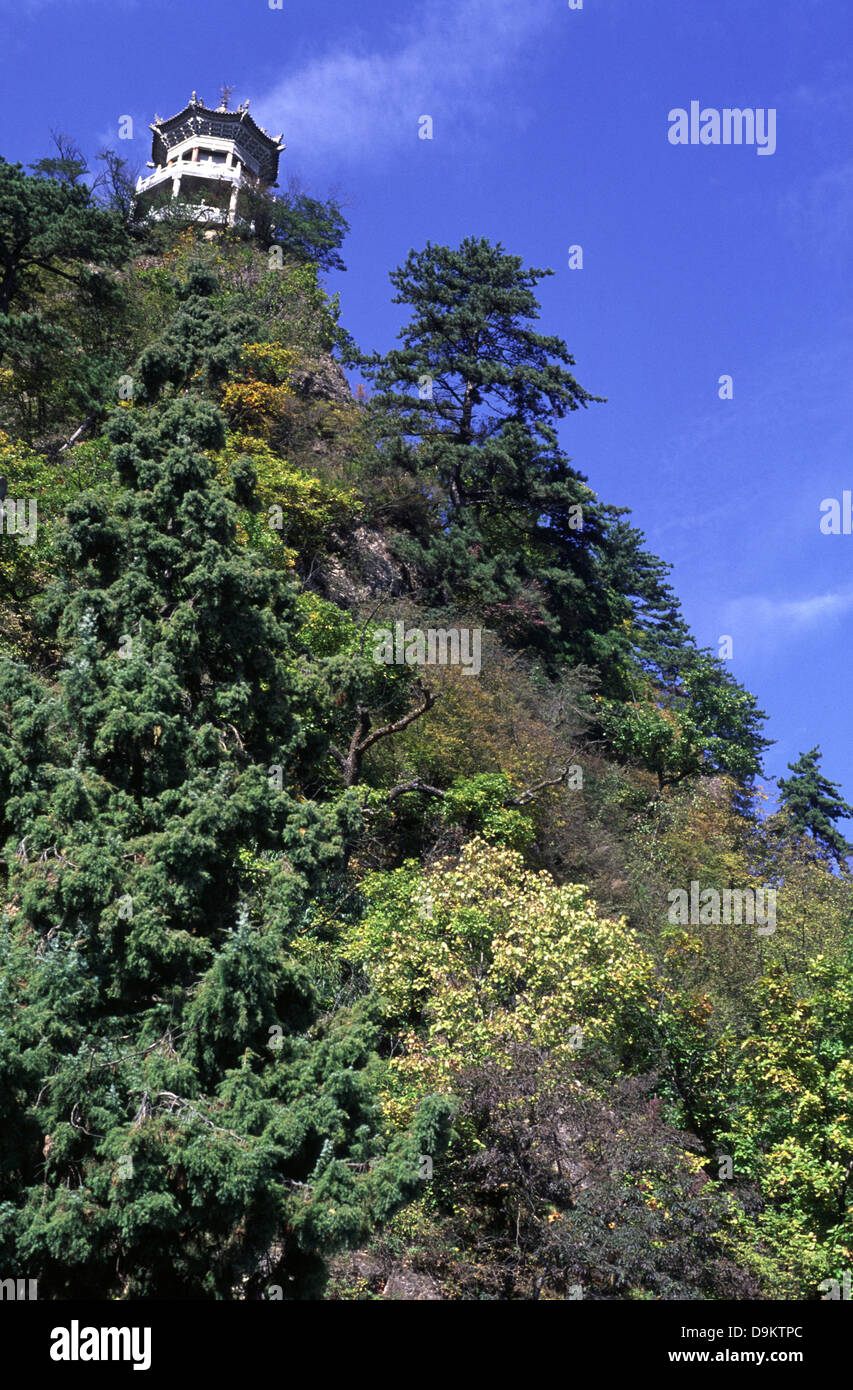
(551, 130)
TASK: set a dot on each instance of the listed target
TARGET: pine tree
(56, 249)
(176, 1120)
(814, 805)
(469, 403)
(49, 225)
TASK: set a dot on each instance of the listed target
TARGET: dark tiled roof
(196, 115)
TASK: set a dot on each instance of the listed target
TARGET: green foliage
(291, 513)
(183, 1123)
(59, 302)
(792, 1132)
(478, 805)
(469, 405)
(307, 229)
(49, 226)
(814, 805)
(282, 919)
(726, 716)
(702, 722)
(481, 954)
(28, 560)
(664, 743)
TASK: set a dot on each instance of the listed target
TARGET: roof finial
(226, 93)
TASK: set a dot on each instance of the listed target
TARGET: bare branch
(524, 797)
(364, 737)
(76, 435)
(416, 784)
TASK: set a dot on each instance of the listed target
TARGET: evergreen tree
(52, 235)
(469, 404)
(176, 1120)
(814, 804)
(50, 224)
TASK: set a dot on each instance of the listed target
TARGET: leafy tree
(814, 910)
(480, 954)
(701, 722)
(567, 1188)
(669, 745)
(306, 229)
(814, 804)
(483, 805)
(791, 1099)
(726, 716)
(262, 395)
(297, 512)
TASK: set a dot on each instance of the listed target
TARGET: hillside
(390, 906)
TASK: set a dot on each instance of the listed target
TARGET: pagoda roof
(198, 118)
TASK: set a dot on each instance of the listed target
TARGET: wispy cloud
(821, 212)
(770, 618)
(352, 104)
(819, 208)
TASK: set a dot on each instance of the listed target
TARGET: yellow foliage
(489, 954)
(261, 396)
(297, 508)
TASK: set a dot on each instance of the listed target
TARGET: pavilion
(215, 153)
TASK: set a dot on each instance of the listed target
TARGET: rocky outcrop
(405, 1283)
(371, 571)
(322, 380)
(379, 1275)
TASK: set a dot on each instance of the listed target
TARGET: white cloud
(350, 105)
(770, 617)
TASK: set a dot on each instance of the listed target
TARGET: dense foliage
(352, 750)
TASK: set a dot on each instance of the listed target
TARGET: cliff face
(359, 565)
(323, 380)
(362, 569)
